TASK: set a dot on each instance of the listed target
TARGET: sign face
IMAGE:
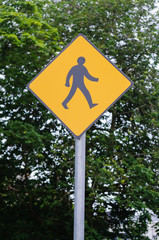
(79, 85)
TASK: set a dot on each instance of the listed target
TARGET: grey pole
(79, 208)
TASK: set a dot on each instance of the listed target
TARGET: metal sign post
(79, 207)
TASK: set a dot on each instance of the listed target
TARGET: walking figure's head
(81, 60)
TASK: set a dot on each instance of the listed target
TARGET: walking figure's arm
(89, 76)
(68, 78)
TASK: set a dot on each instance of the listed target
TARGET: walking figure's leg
(88, 96)
(68, 98)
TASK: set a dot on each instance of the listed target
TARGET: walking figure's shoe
(64, 105)
(93, 105)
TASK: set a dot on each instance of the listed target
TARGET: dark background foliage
(37, 153)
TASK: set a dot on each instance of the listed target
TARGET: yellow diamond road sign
(79, 85)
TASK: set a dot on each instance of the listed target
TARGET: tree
(33, 187)
(122, 147)
(122, 154)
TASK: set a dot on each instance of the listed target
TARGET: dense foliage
(37, 153)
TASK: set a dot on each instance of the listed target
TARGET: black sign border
(79, 35)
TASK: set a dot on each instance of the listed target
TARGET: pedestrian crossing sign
(79, 85)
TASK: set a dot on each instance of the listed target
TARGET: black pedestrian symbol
(78, 72)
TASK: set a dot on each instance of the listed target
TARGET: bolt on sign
(79, 85)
